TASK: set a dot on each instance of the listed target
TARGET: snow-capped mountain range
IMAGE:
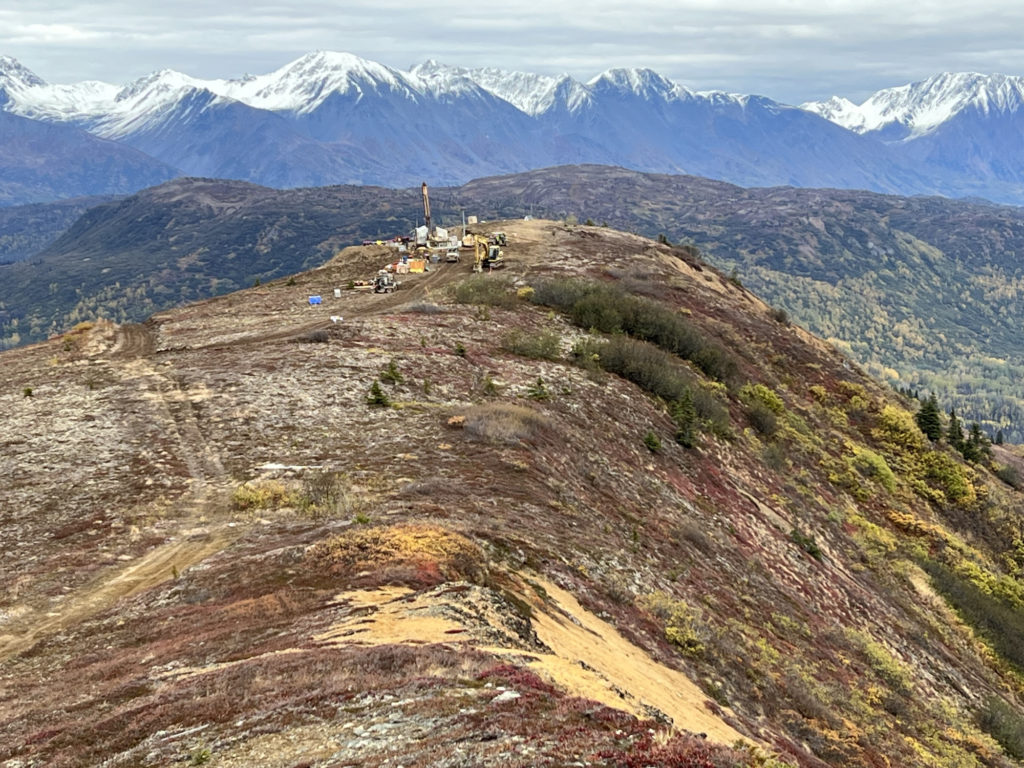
(330, 118)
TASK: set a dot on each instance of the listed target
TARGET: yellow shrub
(415, 554)
(265, 495)
(897, 429)
(950, 477)
(766, 396)
(683, 627)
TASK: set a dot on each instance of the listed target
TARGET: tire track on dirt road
(159, 565)
(171, 410)
(173, 406)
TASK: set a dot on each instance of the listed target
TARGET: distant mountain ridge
(335, 118)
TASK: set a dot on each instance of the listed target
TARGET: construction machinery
(384, 282)
(488, 255)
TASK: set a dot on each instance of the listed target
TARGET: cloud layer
(792, 51)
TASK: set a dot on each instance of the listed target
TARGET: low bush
(998, 621)
(609, 309)
(391, 374)
(1010, 476)
(874, 466)
(763, 419)
(806, 543)
(713, 413)
(653, 442)
(265, 495)
(423, 308)
(650, 368)
(766, 396)
(538, 390)
(546, 345)
(775, 456)
(487, 291)
(683, 625)
(692, 406)
(327, 494)
(1004, 723)
(504, 423)
(315, 337)
(945, 474)
(898, 430)
(413, 554)
(888, 668)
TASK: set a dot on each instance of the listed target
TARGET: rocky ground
(226, 555)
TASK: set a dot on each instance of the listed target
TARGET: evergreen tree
(1000, 438)
(684, 414)
(929, 419)
(955, 433)
(976, 446)
(377, 396)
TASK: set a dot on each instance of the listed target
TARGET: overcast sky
(790, 50)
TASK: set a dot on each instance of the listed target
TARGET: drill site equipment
(426, 206)
(434, 242)
(487, 255)
(384, 282)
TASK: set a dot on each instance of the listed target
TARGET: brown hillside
(215, 550)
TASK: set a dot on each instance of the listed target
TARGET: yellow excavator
(488, 256)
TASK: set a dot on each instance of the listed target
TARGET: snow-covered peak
(61, 102)
(440, 80)
(14, 74)
(839, 110)
(305, 83)
(530, 93)
(922, 106)
(434, 68)
(158, 86)
(643, 82)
